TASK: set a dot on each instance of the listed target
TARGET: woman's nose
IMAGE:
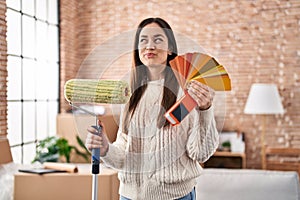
(150, 45)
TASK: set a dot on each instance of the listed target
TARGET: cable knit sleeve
(203, 136)
(115, 155)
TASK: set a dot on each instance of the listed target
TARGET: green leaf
(51, 148)
(79, 141)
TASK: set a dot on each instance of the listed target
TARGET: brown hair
(139, 76)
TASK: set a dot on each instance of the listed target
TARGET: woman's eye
(158, 40)
(143, 41)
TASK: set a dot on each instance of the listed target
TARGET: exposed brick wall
(257, 41)
(68, 44)
(3, 70)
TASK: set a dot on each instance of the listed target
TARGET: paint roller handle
(96, 153)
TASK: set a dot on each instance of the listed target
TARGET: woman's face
(153, 47)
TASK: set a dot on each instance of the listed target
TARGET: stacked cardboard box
(5, 153)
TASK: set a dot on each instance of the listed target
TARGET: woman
(156, 160)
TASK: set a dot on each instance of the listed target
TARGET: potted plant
(52, 148)
(226, 146)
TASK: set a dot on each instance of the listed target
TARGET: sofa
(246, 184)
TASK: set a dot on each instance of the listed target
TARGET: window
(33, 74)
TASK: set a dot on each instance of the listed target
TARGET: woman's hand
(94, 141)
(201, 93)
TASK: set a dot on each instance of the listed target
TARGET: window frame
(52, 67)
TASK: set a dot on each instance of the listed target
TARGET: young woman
(156, 160)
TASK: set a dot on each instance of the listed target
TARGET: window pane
(13, 32)
(15, 4)
(53, 110)
(14, 78)
(29, 70)
(28, 38)
(41, 9)
(16, 153)
(53, 43)
(14, 121)
(53, 81)
(41, 40)
(41, 120)
(42, 85)
(28, 7)
(52, 11)
(29, 121)
(29, 153)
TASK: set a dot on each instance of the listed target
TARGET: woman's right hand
(94, 141)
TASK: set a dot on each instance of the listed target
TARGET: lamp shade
(263, 99)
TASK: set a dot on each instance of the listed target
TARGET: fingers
(94, 141)
(201, 93)
(92, 130)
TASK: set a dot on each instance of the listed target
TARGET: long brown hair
(139, 76)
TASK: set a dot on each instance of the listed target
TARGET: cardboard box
(70, 125)
(5, 153)
(62, 186)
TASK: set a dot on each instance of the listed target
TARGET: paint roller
(91, 91)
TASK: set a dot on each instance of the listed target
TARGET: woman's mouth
(149, 55)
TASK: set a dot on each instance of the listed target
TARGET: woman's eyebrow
(159, 35)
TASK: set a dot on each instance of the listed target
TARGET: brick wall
(68, 44)
(257, 41)
(3, 70)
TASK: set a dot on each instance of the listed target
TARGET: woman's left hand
(201, 93)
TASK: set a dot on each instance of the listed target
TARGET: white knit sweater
(161, 164)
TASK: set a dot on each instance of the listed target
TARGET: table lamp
(263, 100)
